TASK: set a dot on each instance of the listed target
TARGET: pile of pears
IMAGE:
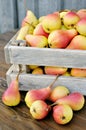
(55, 70)
(60, 30)
(56, 101)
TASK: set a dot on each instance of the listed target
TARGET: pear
(75, 100)
(40, 31)
(41, 19)
(36, 41)
(31, 18)
(78, 72)
(11, 96)
(78, 42)
(54, 70)
(39, 109)
(82, 13)
(62, 14)
(58, 92)
(51, 22)
(32, 66)
(37, 70)
(61, 38)
(24, 31)
(62, 114)
(70, 19)
(38, 94)
(81, 27)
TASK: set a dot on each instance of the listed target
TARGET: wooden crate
(44, 57)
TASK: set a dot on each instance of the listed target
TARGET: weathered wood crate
(44, 57)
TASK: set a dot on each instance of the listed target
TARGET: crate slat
(29, 81)
(45, 56)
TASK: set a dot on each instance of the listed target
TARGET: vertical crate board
(74, 4)
(8, 16)
(29, 81)
(43, 7)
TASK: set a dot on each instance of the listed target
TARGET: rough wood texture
(4, 38)
(12, 12)
(46, 56)
(8, 16)
(43, 7)
(19, 118)
(29, 81)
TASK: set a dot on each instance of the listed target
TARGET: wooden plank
(47, 57)
(23, 6)
(8, 15)
(74, 4)
(6, 49)
(48, 6)
(29, 81)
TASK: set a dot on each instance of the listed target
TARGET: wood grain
(47, 57)
(19, 117)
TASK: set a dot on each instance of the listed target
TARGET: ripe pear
(62, 114)
(61, 38)
(58, 92)
(54, 70)
(37, 70)
(82, 13)
(78, 42)
(36, 41)
(31, 18)
(51, 22)
(81, 27)
(11, 96)
(70, 19)
(38, 94)
(32, 66)
(75, 100)
(41, 19)
(39, 109)
(62, 14)
(78, 72)
(24, 31)
(40, 31)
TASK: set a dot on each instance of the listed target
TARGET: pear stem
(53, 104)
(20, 70)
(54, 81)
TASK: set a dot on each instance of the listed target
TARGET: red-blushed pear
(81, 13)
(40, 31)
(39, 109)
(62, 14)
(51, 22)
(78, 72)
(11, 96)
(58, 92)
(78, 42)
(61, 38)
(31, 18)
(70, 19)
(75, 100)
(38, 94)
(81, 27)
(62, 114)
(36, 41)
(54, 70)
